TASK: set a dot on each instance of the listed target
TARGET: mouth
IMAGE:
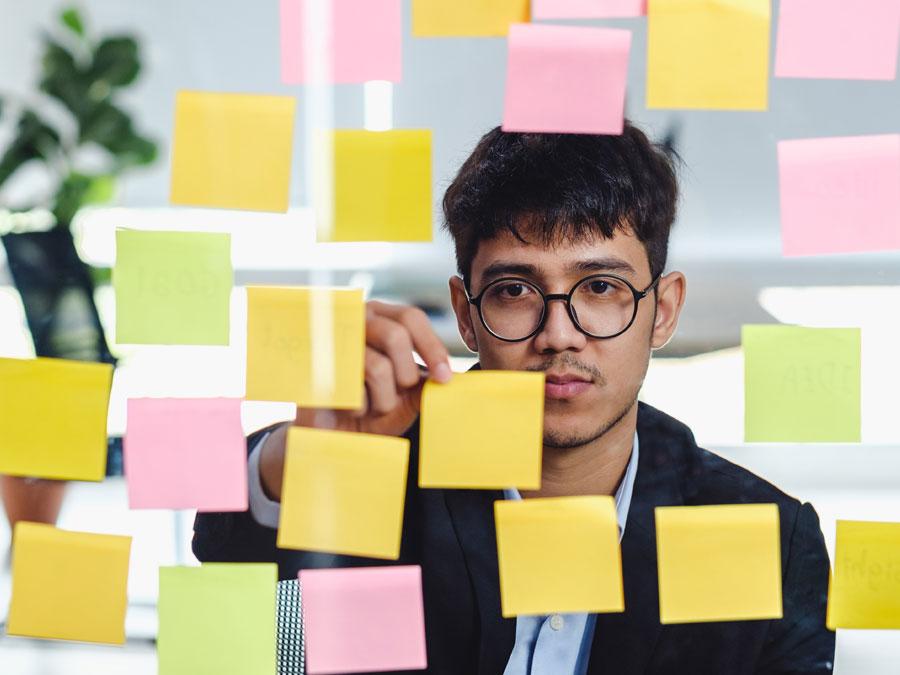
(566, 385)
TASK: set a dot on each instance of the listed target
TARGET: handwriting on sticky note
(500, 444)
(374, 185)
(217, 618)
(566, 79)
(838, 39)
(57, 574)
(185, 454)
(173, 287)
(865, 586)
(343, 493)
(708, 55)
(587, 9)
(826, 183)
(719, 563)
(536, 538)
(363, 619)
(306, 345)
(232, 151)
(76, 395)
(363, 38)
(467, 18)
(801, 385)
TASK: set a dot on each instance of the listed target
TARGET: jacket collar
(623, 643)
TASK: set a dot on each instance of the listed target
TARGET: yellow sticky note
(467, 18)
(53, 418)
(559, 555)
(708, 54)
(718, 563)
(232, 151)
(68, 585)
(802, 385)
(172, 288)
(373, 185)
(484, 429)
(343, 493)
(306, 345)
(865, 586)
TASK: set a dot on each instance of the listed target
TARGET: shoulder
(703, 476)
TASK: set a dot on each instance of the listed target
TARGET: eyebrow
(592, 266)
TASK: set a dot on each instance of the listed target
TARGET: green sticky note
(801, 385)
(217, 619)
(172, 288)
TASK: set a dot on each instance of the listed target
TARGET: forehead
(564, 259)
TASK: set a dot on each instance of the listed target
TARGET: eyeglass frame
(567, 297)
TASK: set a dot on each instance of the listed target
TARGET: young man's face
(591, 383)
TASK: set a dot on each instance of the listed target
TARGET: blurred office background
(726, 241)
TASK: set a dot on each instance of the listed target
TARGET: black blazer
(450, 533)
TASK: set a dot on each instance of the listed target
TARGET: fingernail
(443, 373)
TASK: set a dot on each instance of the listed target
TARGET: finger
(380, 382)
(394, 341)
(425, 340)
(364, 410)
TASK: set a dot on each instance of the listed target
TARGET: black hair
(556, 188)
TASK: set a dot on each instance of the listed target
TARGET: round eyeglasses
(601, 306)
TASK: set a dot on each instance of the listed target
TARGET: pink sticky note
(566, 79)
(364, 619)
(185, 454)
(356, 41)
(587, 9)
(840, 195)
(853, 39)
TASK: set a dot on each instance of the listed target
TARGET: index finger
(425, 340)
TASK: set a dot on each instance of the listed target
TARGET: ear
(462, 307)
(671, 290)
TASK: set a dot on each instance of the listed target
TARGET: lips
(565, 386)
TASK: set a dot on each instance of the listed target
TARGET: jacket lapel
(472, 513)
(624, 643)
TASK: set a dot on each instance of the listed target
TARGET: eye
(514, 290)
(599, 287)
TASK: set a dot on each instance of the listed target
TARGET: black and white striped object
(291, 643)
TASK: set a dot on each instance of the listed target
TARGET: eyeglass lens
(513, 309)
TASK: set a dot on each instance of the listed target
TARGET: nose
(559, 332)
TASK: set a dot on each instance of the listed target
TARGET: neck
(595, 468)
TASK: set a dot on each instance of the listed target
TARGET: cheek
(494, 354)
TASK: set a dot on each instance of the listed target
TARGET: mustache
(569, 360)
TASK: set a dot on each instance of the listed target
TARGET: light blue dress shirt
(559, 644)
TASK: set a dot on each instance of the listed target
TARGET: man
(561, 244)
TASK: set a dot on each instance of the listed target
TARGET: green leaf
(101, 189)
(34, 139)
(62, 78)
(70, 197)
(72, 20)
(116, 61)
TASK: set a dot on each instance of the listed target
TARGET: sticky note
(68, 585)
(185, 454)
(566, 79)
(484, 429)
(718, 563)
(373, 185)
(801, 385)
(559, 555)
(587, 9)
(172, 288)
(839, 195)
(53, 418)
(865, 586)
(343, 493)
(232, 151)
(363, 619)
(838, 39)
(306, 345)
(467, 18)
(345, 41)
(218, 618)
(708, 55)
